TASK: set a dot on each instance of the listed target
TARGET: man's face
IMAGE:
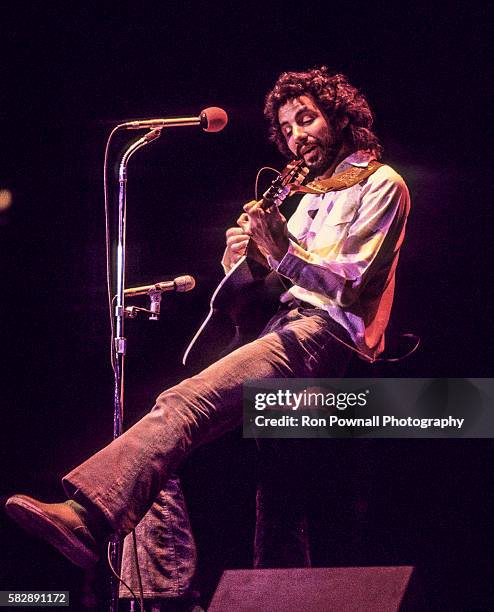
(308, 133)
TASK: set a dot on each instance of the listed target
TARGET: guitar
(248, 296)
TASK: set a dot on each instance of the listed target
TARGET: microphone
(180, 284)
(212, 119)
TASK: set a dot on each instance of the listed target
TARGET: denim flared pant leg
(165, 546)
(125, 478)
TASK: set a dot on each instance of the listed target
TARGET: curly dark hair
(334, 95)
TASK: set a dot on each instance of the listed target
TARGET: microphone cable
(108, 246)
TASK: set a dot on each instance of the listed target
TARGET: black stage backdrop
(68, 75)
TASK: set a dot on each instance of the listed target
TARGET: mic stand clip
(154, 310)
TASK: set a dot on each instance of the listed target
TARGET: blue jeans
(132, 480)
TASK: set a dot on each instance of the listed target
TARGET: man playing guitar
(338, 254)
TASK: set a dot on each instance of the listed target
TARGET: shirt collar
(360, 159)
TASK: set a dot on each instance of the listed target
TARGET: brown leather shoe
(58, 524)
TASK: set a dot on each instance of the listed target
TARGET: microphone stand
(120, 341)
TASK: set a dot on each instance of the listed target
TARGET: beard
(323, 152)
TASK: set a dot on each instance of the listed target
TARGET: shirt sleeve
(372, 240)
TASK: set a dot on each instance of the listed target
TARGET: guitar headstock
(291, 176)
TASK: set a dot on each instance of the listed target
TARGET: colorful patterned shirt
(346, 251)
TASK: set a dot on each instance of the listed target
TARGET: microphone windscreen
(184, 283)
(213, 119)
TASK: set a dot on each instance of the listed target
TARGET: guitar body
(247, 297)
(240, 308)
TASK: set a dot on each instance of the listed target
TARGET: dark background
(68, 75)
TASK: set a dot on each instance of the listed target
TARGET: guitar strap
(337, 182)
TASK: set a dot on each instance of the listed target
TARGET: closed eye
(306, 120)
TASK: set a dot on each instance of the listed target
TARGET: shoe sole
(35, 522)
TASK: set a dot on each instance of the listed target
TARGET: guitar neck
(268, 201)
